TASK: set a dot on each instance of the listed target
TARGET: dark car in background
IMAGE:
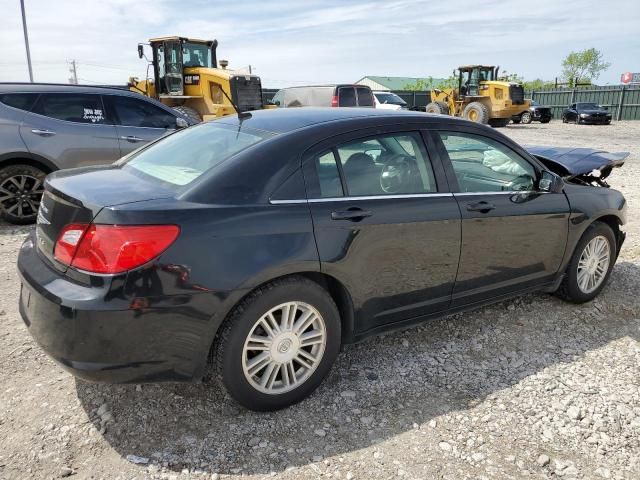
(536, 113)
(47, 127)
(324, 96)
(257, 246)
(586, 112)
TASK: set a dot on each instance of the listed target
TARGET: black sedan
(591, 113)
(536, 113)
(259, 246)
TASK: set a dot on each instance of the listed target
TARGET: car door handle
(353, 214)
(43, 133)
(131, 138)
(482, 207)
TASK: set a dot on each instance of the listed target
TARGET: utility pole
(74, 79)
(26, 40)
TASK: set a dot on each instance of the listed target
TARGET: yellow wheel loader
(186, 77)
(480, 97)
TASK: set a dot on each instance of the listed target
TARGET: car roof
(61, 87)
(329, 85)
(282, 120)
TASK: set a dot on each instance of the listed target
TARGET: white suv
(389, 101)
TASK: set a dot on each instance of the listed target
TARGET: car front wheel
(278, 344)
(591, 264)
(526, 118)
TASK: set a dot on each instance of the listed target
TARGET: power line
(74, 72)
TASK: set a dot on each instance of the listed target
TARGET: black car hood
(567, 161)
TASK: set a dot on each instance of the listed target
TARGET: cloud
(321, 41)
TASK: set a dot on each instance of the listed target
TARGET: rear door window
(347, 97)
(365, 97)
(132, 112)
(71, 107)
(22, 101)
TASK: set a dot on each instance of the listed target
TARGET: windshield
(535, 103)
(390, 98)
(589, 106)
(180, 158)
(196, 55)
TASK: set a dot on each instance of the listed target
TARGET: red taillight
(112, 248)
(334, 101)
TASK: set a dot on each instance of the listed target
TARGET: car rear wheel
(526, 117)
(21, 188)
(591, 264)
(278, 344)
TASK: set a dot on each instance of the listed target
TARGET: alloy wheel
(593, 264)
(284, 347)
(20, 195)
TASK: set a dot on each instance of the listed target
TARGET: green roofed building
(395, 83)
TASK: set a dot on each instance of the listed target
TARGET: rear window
(347, 97)
(365, 98)
(23, 101)
(182, 157)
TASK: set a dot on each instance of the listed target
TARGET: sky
(302, 42)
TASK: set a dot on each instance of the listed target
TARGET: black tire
(526, 118)
(229, 344)
(564, 119)
(569, 288)
(516, 119)
(20, 206)
(190, 113)
(499, 122)
(476, 112)
(440, 108)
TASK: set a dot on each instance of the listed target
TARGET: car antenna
(241, 115)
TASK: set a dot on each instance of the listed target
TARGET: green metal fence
(623, 101)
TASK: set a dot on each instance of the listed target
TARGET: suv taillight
(334, 101)
(112, 248)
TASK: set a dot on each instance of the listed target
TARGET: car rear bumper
(100, 336)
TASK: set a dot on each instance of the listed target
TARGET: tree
(420, 85)
(429, 83)
(585, 65)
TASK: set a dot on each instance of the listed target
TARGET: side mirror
(140, 51)
(181, 123)
(549, 182)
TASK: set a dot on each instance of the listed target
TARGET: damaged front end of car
(584, 166)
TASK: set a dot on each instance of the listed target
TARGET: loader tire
(440, 108)
(190, 113)
(476, 112)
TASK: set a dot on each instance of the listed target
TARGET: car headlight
(584, 115)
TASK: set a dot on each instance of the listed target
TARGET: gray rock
(138, 460)
(253, 441)
(543, 460)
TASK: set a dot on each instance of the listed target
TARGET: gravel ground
(529, 388)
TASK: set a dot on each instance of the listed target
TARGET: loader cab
(470, 77)
(171, 55)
